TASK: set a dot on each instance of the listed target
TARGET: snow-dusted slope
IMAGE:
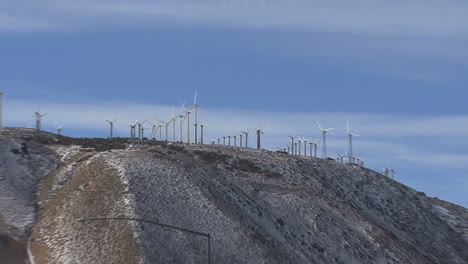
(257, 206)
(23, 162)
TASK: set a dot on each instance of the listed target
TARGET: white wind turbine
(154, 128)
(292, 143)
(166, 124)
(350, 151)
(173, 120)
(195, 108)
(187, 115)
(202, 125)
(324, 139)
(312, 143)
(58, 128)
(111, 123)
(246, 137)
(259, 132)
(38, 119)
(132, 132)
(1, 110)
(181, 122)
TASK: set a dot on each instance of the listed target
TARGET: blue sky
(397, 71)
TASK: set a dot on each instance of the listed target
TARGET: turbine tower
(201, 132)
(246, 137)
(305, 147)
(132, 132)
(1, 110)
(181, 120)
(111, 123)
(38, 120)
(195, 107)
(187, 114)
(324, 138)
(173, 120)
(350, 150)
(292, 143)
(240, 140)
(59, 129)
(259, 132)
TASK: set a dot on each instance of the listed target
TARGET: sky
(396, 70)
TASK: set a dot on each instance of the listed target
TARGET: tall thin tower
(38, 120)
(1, 112)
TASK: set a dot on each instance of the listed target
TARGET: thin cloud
(378, 17)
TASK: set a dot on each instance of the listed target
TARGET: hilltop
(258, 206)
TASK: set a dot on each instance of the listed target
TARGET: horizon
(395, 70)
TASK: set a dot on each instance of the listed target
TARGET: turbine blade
(319, 125)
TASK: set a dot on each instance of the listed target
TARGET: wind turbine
(181, 120)
(259, 131)
(201, 132)
(305, 147)
(38, 120)
(153, 130)
(350, 136)
(246, 137)
(111, 123)
(173, 120)
(299, 145)
(132, 132)
(229, 140)
(218, 141)
(292, 143)
(187, 115)
(166, 124)
(224, 140)
(235, 140)
(58, 128)
(1, 110)
(195, 107)
(324, 138)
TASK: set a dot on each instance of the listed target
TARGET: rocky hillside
(256, 206)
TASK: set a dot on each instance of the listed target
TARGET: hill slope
(257, 206)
